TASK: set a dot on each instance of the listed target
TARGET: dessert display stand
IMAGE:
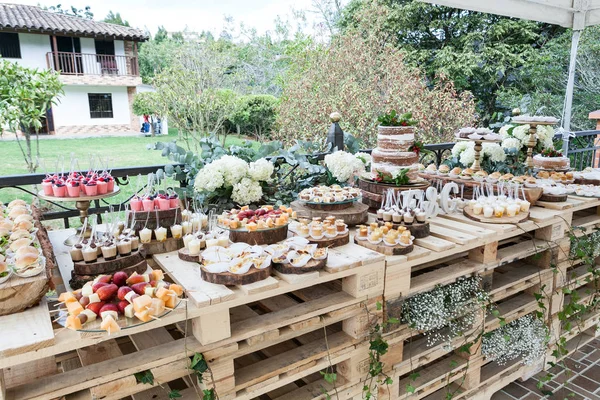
(230, 279)
(184, 254)
(554, 198)
(372, 192)
(264, 236)
(148, 219)
(478, 147)
(468, 212)
(82, 203)
(417, 229)
(354, 213)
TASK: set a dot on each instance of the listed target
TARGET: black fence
(582, 152)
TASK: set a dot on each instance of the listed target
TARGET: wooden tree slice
(166, 218)
(184, 254)
(357, 214)
(268, 236)
(77, 281)
(339, 240)
(18, 294)
(313, 265)
(583, 181)
(231, 279)
(553, 198)
(383, 249)
(102, 266)
(380, 188)
(417, 229)
(167, 246)
(328, 206)
(468, 212)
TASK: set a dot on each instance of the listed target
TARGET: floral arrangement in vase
(233, 178)
(464, 153)
(524, 338)
(515, 138)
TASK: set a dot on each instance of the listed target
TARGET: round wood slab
(102, 266)
(169, 245)
(184, 254)
(417, 229)
(311, 266)
(468, 212)
(383, 249)
(231, 279)
(166, 219)
(357, 213)
(329, 206)
(267, 236)
(77, 281)
(380, 188)
(583, 181)
(553, 198)
(339, 240)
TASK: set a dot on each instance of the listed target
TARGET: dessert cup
(90, 254)
(164, 204)
(194, 247)
(174, 202)
(160, 234)
(102, 187)
(176, 231)
(59, 190)
(76, 253)
(135, 242)
(73, 191)
(145, 235)
(124, 247)
(148, 204)
(47, 187)
(109, 251)
(135, 204)
(187, 227)
(187, 239)
(91, 189)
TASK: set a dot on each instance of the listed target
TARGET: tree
(155, 56)
(255, 114)
(480, 53)
(73, 11)
(198, 90)
(147, 103)
(116, 19)
(362, 75)
(25, 96)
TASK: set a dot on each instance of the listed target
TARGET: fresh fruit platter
(114, 302)
(297, 255)
(238, 264)
(264, 225)
(20, 252)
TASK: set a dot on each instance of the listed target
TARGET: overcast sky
(197, 15)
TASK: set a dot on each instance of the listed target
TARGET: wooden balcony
(79, 64)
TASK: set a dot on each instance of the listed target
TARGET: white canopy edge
(576, 14)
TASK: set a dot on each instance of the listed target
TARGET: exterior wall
(72, 114)
(33, 50)
(101, 80)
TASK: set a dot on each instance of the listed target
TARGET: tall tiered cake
(394, 150)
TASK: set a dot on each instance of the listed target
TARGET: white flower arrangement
(544, 133)
(365, 158)
(233, 172)
(494, 151)
(343, 166)
(459, 147)
(446, 311)
(511, 143)
(525, 337)
(464, 151)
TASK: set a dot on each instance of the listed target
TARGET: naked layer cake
(393, 150)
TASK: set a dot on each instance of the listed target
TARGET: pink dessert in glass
(59, 190)
(73, 189)
(91, 189)
(174, 201)
(135, 203)
(148, 204)
(102, 187)
(164, 203)
(110, 184)
(47, 186)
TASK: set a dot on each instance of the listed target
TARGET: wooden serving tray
(417, 229)
(311, 266)
(468, 212)
(357, 213)
(184, 254)
(77, 281)
(339, 240)
(328, 206)
(267, 236)
(553, 198)
(396, 250)
(231, 279)
(102, 266)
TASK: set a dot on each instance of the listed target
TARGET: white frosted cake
(393, 153)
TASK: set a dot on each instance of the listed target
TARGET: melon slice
(157, 307)
(73, 322)
(177, 289)
(157, 275)
(162, 293)
(129, 311)
(143, 315)
(140, 303)
(74, 308)
(171, 301)
(109, 324)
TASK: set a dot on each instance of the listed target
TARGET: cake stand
(82, 203)
(478, 146)
(532, 138)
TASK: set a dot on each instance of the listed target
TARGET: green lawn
(123, 151)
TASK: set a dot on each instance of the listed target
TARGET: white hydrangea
(511, 143)
(521, 132)
(459, 147)
(234, 169)
(261, 170)
(504, 131)
(209, 178)
(365, 158)
(494, 151)
(545, 135)
(343, 165)
(247, 191)
(467, 157)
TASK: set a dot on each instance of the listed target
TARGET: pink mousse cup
(102, 187)
(164, 204)
(73, 190)
(148, 204)
(47, 186)
(91, 190)
(59, 191)
(135, 204)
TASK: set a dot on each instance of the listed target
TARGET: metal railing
(583, 149)
(68, 63)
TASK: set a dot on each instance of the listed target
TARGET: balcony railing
(92, 64)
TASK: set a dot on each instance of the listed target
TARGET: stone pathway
(582, 381)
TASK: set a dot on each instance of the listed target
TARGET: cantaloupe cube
(73, 322)
(157, 307)
(140, 303)
(162, 293)
(143, 316)
(67, 297)
(157, 275)
(171, 300)
(110, 325)
(74, 308)
(177, 289)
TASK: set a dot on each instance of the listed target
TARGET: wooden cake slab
(468, 212)
(313, 265)
(396, 250)
(231, 279)
(356, 214)
(267, 236)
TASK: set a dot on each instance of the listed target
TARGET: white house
(97, 63)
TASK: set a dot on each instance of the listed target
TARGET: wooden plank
(260, 286)
(26, 331)
(338, 261)
(443, 276)
(464, 227)
(434, 243)
(418, 252)
(359, 253)
(450, 235)
(512, 309)
(504, 228)
(187, 274)
(563, 205)
(297, 278)
(22, 373)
